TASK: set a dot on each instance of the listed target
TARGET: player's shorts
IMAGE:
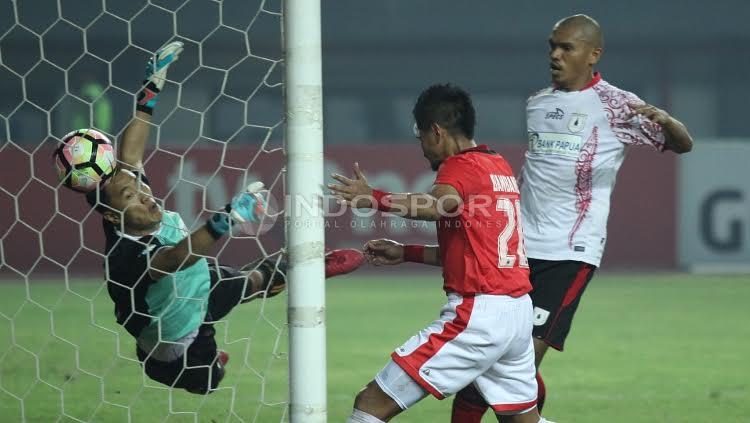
(485, 339)
(199, 370)
(558, 288)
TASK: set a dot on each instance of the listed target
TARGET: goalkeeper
(166, 294)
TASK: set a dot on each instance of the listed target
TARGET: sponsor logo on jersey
(554, 143)
(558, 114)
(147, 250)
(577, 122)
(540, 316)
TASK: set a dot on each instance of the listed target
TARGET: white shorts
(484, 339)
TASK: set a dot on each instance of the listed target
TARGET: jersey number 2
(512, 208)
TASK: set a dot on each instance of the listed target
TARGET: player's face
(571, 57)
(133, 198)
(430, 143)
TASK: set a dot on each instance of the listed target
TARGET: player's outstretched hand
(249, 205)
(158, 64)
(652, 113)
(384, 252)
(355, 192)
(156, 75)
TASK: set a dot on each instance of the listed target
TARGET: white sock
(359, 416)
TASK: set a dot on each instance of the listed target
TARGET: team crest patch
(540, 316)
(577, 122)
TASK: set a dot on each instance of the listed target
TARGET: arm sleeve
(456, 172)
(632, 129)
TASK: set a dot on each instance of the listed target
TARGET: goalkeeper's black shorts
(199, 370)
(557, 289)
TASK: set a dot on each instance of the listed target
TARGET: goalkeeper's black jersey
(126, 269)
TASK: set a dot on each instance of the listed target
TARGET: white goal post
(305, 230)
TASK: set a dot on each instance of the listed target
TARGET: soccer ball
(85, 158)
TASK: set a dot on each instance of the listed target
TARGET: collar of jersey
(595, 80)
(481, 148)
(134, 237)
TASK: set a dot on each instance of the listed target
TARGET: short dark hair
(447, 105)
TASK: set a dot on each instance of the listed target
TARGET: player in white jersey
(578, 131)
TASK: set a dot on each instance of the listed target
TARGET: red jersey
(481, 247)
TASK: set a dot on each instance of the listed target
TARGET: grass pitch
(644, 348)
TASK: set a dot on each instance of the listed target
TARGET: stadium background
(669, 214)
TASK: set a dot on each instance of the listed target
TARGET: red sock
(466, 412)
(541, 392)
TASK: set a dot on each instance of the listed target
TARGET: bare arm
(432, 255)
(135, 137)
(676, 136)
(133, 142)
(441, 201)
(183, 255)
(386, 252)
(246, 206)
(415, 206)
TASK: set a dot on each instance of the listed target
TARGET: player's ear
(436, 130)
(112, 217)
(596, 54)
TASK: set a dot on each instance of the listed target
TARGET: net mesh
(66, 64)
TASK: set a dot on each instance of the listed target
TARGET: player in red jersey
(483, 334)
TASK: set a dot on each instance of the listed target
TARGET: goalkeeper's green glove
(247, 206)
(156, 74)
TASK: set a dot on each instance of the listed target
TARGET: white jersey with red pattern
(577, 143)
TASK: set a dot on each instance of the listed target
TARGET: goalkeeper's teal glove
(247, 206)
(156, 74)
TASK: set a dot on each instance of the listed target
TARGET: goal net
(219, 124)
